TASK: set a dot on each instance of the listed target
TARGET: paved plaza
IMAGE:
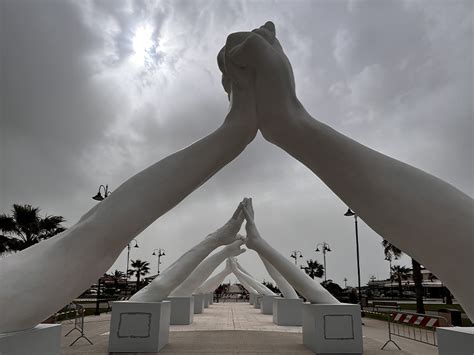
(234, 328)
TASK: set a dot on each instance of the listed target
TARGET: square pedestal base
(288, 311)
(266, 304)
(252, 298)
(42, 339)
(257, 301)
(139, 327)
(206, 300)
(182, 310)
(211, 298)
(455, 340)
(198, 303)
(332, 328)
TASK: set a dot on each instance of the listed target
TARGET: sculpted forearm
(262, 289)
(405, 205)
(162, 287)
(306, 286)
(200, 274)
(78, 256)
(285, 288)
(212, 283)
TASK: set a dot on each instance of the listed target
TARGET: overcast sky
(94, 92)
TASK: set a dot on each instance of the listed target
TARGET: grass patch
(431, 307)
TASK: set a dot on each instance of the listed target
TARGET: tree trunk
(449, 296)
(138, 282)
(418, 279)
(400, 289)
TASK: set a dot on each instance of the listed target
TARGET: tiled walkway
(234, 316)
(235, 328)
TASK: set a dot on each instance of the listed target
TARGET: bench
(376, 305)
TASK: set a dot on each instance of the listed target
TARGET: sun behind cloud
(143, 44)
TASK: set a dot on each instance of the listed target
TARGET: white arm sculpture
(162, 286)
(213, 282)
(259, 287)
(249, 288)
(310, 289)
(419, 213)
(286, 289)
(206, 267)
(74, 259)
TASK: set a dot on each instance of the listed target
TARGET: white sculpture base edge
(332, 328)
(266, 304)
(44, 339)
(198, 303)
(251, 299)
(205, 298)
(256, 302)
(210, 296)
(139, 327)
(455, 340)
(182, 310)
(288, 312)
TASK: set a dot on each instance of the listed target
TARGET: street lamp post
(98, 196)
(97, 300)
(128, 259)
(295, 254)
(161, 253)
(325, 248)
(348, 214)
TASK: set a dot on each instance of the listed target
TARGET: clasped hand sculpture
(431, 215)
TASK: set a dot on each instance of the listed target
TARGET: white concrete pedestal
(455, 340)
(198, 303)
(44, 339)
(205, 298)
(251, 298)
(139, 327)
(182, 310)
(211, 298)
(257, 301)
(288, 311)
(332, 328)
(266, 304)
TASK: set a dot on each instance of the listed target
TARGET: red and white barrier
(414, 319)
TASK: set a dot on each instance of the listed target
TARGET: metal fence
(414, 326)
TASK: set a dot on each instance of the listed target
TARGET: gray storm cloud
(77, 111)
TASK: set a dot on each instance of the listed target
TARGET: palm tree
(400, 273)
(117, 276)
(141, 269)
(390, 251)
(24, 228)
(313, 269)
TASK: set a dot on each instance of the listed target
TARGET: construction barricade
(414, 326)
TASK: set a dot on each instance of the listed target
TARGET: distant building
(432, 286)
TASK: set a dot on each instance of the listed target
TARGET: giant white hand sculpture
(286, 289)
(213, 282)
(310, 289)
(259, 287)
(162, 286)
(243, 282)
(206, 267)
(419, 213)
(75, 258)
